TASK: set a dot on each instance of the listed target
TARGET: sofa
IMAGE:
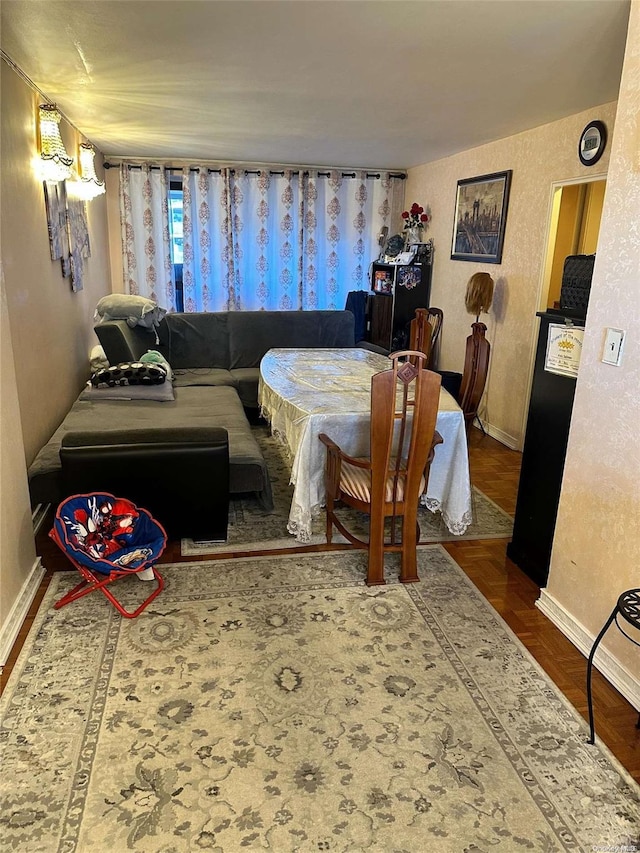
(215, 360)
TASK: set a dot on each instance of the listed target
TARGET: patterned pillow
(129, 373)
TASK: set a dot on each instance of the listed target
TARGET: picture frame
(55, 202)
(480, 218)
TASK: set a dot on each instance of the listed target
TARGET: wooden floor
(495, 471)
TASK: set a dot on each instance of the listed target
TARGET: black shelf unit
(396, 291)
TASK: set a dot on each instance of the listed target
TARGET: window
(175, 229)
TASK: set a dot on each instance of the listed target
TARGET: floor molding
(503, 437)
(19, 611)
(620, 677)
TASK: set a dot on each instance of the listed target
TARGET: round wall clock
(592, 142)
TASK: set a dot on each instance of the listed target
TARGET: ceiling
(382, 84)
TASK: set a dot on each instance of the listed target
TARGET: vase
(412, 236)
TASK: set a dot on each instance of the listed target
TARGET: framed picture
(55, 201)
(480, 217)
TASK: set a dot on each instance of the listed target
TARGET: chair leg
(605, 628)
(375, 569)
(409, 554)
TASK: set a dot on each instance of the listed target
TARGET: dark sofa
(215, 358)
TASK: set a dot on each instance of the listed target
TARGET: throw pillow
(136, 310)
(129, 373)
(160, 393)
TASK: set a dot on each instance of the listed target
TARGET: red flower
(405, 214)
(424, 217)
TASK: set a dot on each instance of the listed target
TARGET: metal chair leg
(592, 737)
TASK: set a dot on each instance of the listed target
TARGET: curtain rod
(305, 172)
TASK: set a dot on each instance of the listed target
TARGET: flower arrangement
(415, 217)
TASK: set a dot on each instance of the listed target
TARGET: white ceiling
(382, 84)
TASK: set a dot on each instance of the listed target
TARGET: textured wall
(51, 327)
(537, 157)
(596, 553)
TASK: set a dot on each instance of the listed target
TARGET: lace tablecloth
(304, 392)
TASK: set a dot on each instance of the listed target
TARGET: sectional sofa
(215, 360)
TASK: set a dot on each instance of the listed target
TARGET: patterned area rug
(253, 529)
(278, 704)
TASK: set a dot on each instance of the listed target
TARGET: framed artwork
(78, 235)
(55, 201)
(480, 217)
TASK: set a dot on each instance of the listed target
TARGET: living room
(47, 334)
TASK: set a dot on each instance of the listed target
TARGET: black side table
(627, 607)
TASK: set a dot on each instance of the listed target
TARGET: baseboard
(616, 674)
(11, 628)
(499, 435)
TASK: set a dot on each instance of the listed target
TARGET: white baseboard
(18, 613)
(620, 677)
(499, 435)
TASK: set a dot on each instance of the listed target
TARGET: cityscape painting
(481, 211)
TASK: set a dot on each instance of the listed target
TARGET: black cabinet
(543, 456)
(397, 290)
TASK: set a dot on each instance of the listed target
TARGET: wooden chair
(474, 374)
(424, 332)
(388, 484)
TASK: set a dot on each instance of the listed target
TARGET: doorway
(574, 226)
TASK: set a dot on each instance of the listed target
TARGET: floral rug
(253, 529)
(279, 704)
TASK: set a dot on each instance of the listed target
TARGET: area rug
(277, 703)
(253, 529)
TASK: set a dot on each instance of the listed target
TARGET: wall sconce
(55, 162)
(89, 186)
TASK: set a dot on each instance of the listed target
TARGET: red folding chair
(108, 538)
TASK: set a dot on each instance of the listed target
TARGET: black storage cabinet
(391, 312)
(543, 458)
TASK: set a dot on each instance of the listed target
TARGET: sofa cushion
(195, 340)
(160, 393)
(252, 333)
(246, 383)
(193, 406)
(204, 376)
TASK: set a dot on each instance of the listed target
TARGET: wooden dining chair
(474, 374)
(388, 484)
(424, 332)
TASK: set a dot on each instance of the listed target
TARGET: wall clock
(592, 142)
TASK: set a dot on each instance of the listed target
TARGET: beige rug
(253, 529)
(276, 703)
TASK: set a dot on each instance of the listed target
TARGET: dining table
(305, 392)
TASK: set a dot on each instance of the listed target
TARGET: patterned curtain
(146, 239)
(281, 240)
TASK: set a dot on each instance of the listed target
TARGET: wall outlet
(612, 350)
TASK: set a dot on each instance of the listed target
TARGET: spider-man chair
(108, 538)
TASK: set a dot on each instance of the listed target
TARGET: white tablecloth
(304, 392)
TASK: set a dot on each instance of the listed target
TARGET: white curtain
(252, 240)
(281, 240)
(146, 238)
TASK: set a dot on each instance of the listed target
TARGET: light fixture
(89, 186)
(55, 162)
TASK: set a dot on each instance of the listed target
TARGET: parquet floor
(495, 470)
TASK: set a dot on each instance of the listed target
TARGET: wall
(46, 337)
(537, 157)
(51, 326)
(597, 542)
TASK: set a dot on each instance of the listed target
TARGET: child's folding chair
(108, 538)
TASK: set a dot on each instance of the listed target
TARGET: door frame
(541, 297)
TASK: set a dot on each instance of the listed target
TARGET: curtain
(146, 238)
(287, 240)
(255, 240)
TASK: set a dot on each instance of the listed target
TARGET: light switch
(612, 351)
